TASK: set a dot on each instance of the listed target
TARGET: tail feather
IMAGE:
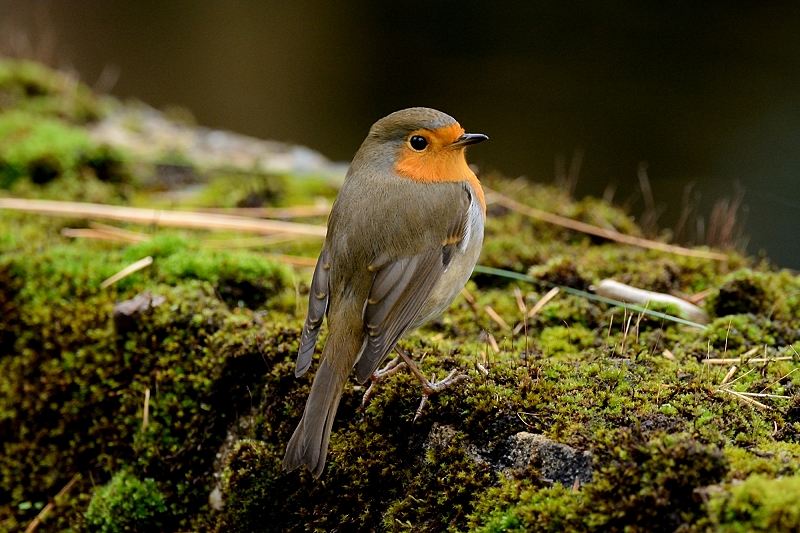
(309, 443)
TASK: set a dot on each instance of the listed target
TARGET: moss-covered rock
(643, 485)
(172, 392)
(34, 88)
(758, 504)
(126, 504)
(73, 389)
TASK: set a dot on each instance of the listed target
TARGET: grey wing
(317, 307)
(399, 291)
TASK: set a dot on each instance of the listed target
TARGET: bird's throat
(447, 165)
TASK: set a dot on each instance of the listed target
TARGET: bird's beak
(469, 138)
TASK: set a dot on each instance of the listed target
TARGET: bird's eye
(418, 142)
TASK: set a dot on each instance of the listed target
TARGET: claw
(429, 388)
(391, 367)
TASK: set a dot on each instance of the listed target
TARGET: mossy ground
(215, 349)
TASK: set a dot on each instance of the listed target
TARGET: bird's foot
(428, 388)
(391, 367)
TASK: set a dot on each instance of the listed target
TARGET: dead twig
(296, 211)
(293, 260)
(146, 410)
(544, 300)
(123, 234)
(700, 296)
(745, 399)
(251, 242)
(127, 271)
(594, 230)
(729, 375)
(49, 507)
(497, 318)
(184, 219)
(469, 298)
(105, 232)
(729, 360)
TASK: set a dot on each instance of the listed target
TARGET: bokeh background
(705, 93)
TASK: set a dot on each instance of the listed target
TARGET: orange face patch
(439, 161)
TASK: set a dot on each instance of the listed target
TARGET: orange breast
(439, 162)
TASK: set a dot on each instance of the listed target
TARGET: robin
(403, 237)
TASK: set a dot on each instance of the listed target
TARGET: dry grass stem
(127, 271)
(727, 333)
(544, 300)
(251, 242)
(625, 335)
(669, 355)
(297, 211)
(469, 298)
(608, 333)
(520, 301)
(746, 399)
(86, 233)
(639, 321)
(123, 234)
(597, 231)
(740, 377)
(780, 379)
(183, 219)
(49, 507)
(107, 233)
(523, 309)
(729, 360)
(751, 351)
(146, 410)
(700, 296)
(761, 395)
(497, 318)
(729, 375)
(293, 260)
(522, 419)
(493, 344)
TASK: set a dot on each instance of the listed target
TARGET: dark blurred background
(706, 93)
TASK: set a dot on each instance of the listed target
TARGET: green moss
(758, 504)
(73, 385)
(519, 505)
(126, 504)
(45, 149)
(38, 148)
(557, 340)
(32, 87)
(242, 190)
(639, 486)
(772, 459)
(215, 333)
(50, 158)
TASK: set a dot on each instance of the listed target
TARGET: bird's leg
(428, 388)
(379, 375)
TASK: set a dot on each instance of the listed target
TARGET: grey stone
(553, 461)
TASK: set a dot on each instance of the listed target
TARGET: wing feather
(317, 307)
(400, 290)
(403, 287)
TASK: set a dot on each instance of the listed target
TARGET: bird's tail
(309, 443)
